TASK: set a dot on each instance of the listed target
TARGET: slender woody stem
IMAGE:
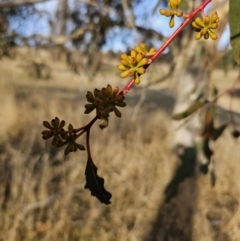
(88, 145)
(88, 128)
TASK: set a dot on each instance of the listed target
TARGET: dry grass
(42, 192)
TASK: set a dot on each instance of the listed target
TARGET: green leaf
(192, 108)
(96, 184)
(234, 21)
(217, 132)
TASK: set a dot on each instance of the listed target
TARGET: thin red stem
(88, 145)
(88, 128)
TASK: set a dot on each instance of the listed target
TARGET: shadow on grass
(174, 219)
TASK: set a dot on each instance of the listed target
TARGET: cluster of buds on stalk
(105, 101)
(173, 5)
(61, 137)
(134, 65)
(204, 26)
(108, 99)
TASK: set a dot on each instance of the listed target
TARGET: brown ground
(41, 191)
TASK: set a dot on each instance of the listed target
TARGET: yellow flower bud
(139, 57)
(174, 4)
(199, 22)
(141, 70)
(122, 67)
(124, 56)
(125, 62)
(206, 35)
(131, 72)
(213, 26)
(162, 11)
(198, 36)
(133, 60)
(206, 20)
(179, 13)
(136, 79)
(143, 62)
(171, 22)
(124, 74)
(152, 50)
(133, 53)
(169, 13)
(196, 26)
(204, 31)
(138, 49)
(212, 35)
(143, 47)
(214, 18)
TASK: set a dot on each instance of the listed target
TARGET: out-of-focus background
(53, 52)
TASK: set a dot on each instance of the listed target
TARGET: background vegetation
(42, 192)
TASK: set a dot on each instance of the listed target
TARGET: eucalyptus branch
(109, 99)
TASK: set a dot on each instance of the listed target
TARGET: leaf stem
(87, 129)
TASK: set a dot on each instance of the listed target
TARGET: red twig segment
(88, 128)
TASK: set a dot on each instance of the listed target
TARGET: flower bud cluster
(104, 101)
(204, 26)
(173, 5)
(60, 136)
(134, 64)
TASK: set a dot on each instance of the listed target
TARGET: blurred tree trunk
(189, 83)
(190, 79)
(62, 20)
(193, 67)
(192, 72)
(59, 25)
